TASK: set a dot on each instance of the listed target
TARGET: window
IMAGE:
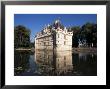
(64, 42)
(58, 35)
(64, 63)
(44, 43)
(64, 57)
(64, 36)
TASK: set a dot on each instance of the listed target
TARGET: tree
(32, 44)
(76, 35)
(89, 32)
(21, 36)
(94, 33)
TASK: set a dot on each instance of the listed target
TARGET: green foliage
(76, 33)
(21, 36)
(32, 44)
(90, 32)
(87, 32)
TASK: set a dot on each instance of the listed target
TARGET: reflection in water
(21, 62)
(54, 63)
(49, 63)
(85, 64)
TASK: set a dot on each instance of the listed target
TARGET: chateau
(54, 37)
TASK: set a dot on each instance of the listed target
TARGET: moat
(49, 63)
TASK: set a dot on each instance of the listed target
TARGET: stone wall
(63, 41)
(44, 43)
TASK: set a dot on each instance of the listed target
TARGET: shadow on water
(49, 63)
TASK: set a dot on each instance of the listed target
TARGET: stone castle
(54, 37)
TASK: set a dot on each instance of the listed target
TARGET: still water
(49, 63)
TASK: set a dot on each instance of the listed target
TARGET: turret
(57, 24)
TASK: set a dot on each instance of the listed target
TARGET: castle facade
(54, 37)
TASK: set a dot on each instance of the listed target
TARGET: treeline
(21, 37)
(88, 33)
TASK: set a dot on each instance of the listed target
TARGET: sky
(36, 22)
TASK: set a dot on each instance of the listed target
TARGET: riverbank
(76, 50)
(88, 50)
(24, 49)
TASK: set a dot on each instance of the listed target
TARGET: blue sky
(36, 22)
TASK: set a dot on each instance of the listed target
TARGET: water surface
(49, 63)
